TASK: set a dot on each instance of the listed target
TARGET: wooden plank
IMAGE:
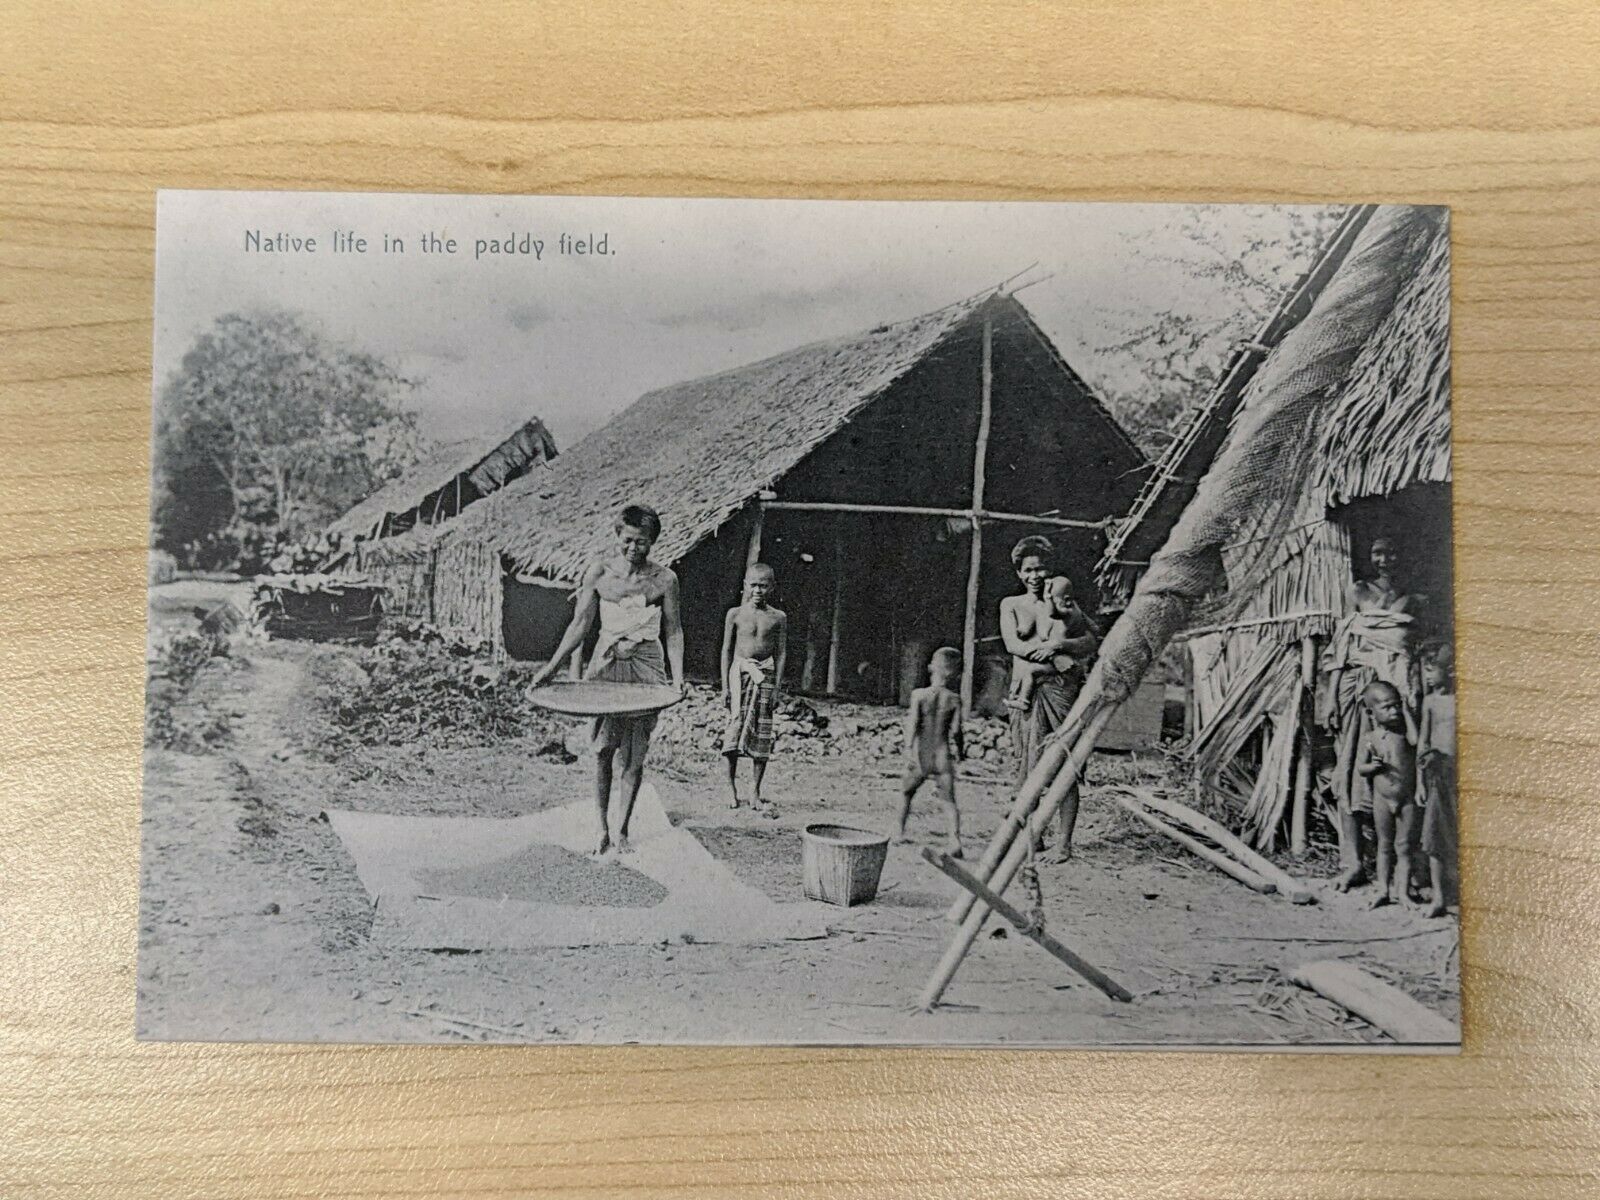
(1400, 1016)
(1026, 928)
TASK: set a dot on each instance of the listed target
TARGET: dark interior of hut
(1417, 521)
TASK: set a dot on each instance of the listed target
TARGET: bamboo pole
(912, 510)
(1299, 813)
(1294, 890)
(1051, 761)
(1008, 866)
(836, 626)
(980, 457)
(1300, 805)
(752, 552)
(1215, 857)
(969, 627)
(1027, 929)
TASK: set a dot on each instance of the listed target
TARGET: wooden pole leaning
(1050, 762)
(1008, 866)
(1237, 870)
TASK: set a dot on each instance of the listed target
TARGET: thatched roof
(700, 451)
(1390, 428)
(483, 464)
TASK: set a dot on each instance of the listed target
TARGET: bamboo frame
(1023, 926)
(1240, 369)
(1094, 700)
(1060, 782)
(908, 510)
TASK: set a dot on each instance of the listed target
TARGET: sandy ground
(254, 925)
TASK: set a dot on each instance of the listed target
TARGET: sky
(687, 288)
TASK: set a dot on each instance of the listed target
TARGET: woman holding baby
(1051, 642)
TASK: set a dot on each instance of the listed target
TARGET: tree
(268, 430)
(1155, 369)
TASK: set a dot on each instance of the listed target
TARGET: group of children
(1407, 757)
(755, 647)
(1409, 764)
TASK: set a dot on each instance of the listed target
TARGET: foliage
(414, 686)
(268, 429)
(171, 722)
(1155, 369)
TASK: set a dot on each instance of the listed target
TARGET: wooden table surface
(1491, 108)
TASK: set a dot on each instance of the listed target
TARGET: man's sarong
(752, 699)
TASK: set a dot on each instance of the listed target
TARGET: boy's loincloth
(752, 703)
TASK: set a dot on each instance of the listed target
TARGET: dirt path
(253, 924)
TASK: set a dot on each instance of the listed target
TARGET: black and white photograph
(582, 620)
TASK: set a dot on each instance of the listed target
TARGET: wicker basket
(842, 865)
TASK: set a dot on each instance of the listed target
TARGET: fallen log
(1294, 890)
(1378, 1003)
(1216, 858)
(1026, 928)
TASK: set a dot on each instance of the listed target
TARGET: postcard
(597, 620)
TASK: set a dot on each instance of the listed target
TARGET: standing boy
(755, 648)
(1388, 761)
(1436, 771)
(933, 727)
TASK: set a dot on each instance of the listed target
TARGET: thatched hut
(389, 537)
(885, 476)
(1380, 467)
(447, 481)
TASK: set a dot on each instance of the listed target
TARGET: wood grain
(1490, 108)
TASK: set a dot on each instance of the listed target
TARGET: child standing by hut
(1388, 761)
(933, 727)
(755, 648)
(1436, 770)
